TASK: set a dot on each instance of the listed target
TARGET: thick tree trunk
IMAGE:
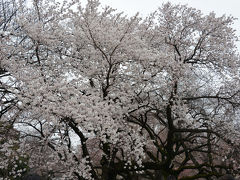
(108, 173)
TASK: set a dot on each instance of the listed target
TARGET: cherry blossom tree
(13, 162)
(106, 96)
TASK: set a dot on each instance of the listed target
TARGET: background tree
(107, 97)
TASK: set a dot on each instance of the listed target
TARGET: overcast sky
(144, 7)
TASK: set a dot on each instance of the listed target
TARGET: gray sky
(220, 7)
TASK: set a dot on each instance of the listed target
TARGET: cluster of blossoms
(98, 95)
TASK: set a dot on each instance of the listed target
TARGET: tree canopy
(93, 94)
